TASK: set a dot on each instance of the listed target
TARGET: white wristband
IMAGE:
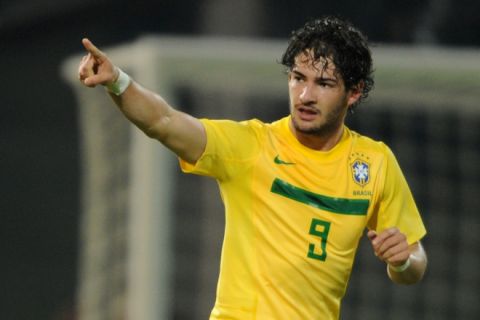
(120, 85)
(401, 268)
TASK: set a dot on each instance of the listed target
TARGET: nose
(307, 95)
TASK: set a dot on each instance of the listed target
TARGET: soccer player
(298, 192)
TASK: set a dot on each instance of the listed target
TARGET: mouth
(307, 113)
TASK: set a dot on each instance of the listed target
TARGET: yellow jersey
(294, 216)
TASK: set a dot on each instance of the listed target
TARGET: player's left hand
(390, 246)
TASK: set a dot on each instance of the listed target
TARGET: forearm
(178, 131)
(144, 108)
(416, 269)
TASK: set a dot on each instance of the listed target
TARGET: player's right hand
(95, 68)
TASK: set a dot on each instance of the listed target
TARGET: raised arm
(178, 131)
(406, 264)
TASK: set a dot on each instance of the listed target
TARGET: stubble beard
(331, 124)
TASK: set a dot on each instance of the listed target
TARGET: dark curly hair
(338, 40)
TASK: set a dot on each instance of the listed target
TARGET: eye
(298, 78)
(325, 84)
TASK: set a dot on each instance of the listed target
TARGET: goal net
(151, 237)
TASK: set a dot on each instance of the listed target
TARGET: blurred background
(42, 144)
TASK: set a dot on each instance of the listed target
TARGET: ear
(355, 93)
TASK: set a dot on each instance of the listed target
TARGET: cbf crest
(361, 172)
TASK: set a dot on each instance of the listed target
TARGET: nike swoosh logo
(277, 160)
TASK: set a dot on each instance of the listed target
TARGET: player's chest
(352, 176)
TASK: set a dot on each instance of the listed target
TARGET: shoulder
(246, 125)
(369, 144)
(234, 139)
(375, 152)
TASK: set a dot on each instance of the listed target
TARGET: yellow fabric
(271, 266)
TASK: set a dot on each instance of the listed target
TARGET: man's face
(318, 99)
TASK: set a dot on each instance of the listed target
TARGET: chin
(307, 127)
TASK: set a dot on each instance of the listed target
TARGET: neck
(323, 142)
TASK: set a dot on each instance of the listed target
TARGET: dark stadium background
(39, 134)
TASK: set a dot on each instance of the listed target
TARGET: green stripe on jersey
(336, 205)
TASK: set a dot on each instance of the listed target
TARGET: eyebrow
(318, 79)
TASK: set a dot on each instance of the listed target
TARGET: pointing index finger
(91, 48)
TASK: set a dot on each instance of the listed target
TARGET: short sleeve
(396, 207)
(230, 146)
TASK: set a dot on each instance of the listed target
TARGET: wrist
(120, 84)
(400, 268)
